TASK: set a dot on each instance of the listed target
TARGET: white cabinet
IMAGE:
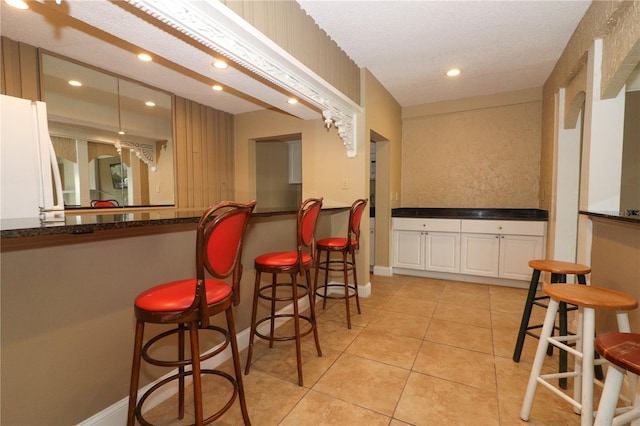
(427, 244)
(489, 248)
(501, 248)
(295, 162)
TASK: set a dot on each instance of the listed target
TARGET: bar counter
(90, 221)
(615, 259)
(67, 297)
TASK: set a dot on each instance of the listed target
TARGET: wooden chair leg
(135, 373)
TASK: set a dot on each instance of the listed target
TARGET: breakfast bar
(68, 291)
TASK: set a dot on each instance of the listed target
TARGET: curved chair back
(219, 241)
(355, 216)
(104, 203)
(307, 220)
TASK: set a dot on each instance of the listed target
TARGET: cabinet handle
(497, 236)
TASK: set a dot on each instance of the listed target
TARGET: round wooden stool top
(559, 267)
(621, 349)
(590, 296)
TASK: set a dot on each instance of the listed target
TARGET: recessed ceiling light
(220, 64)
(216, 87)
(121, 132)
(292, 101)
(75, 83)
(18, 4)
(453, 72)
(144, 57)
(150, 104)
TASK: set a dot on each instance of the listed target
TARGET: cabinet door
(372, 247)
(442, 252)
(515, 253)
(408, 249)
(480, 254)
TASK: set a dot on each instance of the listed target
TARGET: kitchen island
(491, 246)
(67, 301)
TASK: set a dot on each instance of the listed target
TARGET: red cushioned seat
(178, 295)
(187, 305)
(292, 263)
(346, 247)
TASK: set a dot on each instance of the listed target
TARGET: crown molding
(212, 24)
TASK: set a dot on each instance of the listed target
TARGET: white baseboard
(383, 271)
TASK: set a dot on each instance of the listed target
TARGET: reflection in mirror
(279, 172)
(630, 181)
(113, 137)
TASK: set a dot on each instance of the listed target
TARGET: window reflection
(110, 144)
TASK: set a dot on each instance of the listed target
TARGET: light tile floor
(423, 352)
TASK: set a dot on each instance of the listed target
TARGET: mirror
(630, 180)
(279, 172)
(113, 137)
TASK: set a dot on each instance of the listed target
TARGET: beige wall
(291, 28)
(477, 152)
(383, 116)
(618, 24)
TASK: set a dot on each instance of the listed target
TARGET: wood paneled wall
(204, 154)
(291, 28)
(19, 70)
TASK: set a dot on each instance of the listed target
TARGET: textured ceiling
(409, 45)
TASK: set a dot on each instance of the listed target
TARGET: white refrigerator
(30, 185)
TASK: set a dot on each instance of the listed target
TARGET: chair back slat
(219, 242)
(355, 217)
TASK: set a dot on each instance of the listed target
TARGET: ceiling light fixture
(145, 57)
(216, 87)
(75, 83)
(220, 64)
(292, 101)
(18, 4)
(453, 72)
(150, 103)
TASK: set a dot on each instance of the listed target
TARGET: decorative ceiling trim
(215, 26)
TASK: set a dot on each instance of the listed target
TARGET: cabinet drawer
(440, 225)
(506, 227)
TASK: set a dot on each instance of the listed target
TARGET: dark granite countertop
(114, 218)
(629, 216)
(471, 213)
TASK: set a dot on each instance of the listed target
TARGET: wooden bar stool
(559, 271)
(588, 298)
(622, 350)
(292, 263)
(188, 305)
(347, 248)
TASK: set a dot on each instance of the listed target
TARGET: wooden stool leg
(563, 330)
(587, 349)
(236, 365)
(355, 280)
(296, 326)
(135, 373)
(254, 311)
(609, 398)
(197, 378)
(312, 309)
(538, 361)
(526, 315)
(345, 274)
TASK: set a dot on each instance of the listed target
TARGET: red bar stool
(293, 263)
(588, 298)
(622, 350)
(347, 247)
(188, 304)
